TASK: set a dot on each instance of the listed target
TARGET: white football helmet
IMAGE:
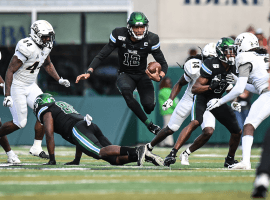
(245, 42)
(210, 50)
(41, 28)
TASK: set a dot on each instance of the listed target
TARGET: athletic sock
(247, 142)
(10, 153)
(127, 151)
(187, 151)
(37, 143)
(173, 152)
(149, 147)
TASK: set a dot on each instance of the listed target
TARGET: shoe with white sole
(240, 165)
(153, 158)
(13, 159)
(184, 158)
(38, 152)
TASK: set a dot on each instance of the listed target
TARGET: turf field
(205, 178)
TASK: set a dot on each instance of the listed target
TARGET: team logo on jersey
(124, 45)
(145, 44)
(215, 66)
(195, 65)
(133, 51)
(121, 38)
(37, 57)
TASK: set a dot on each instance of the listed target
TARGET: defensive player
(60, 117)
(192, 72)
(252, 64)
(134, 44)
(210, 84)
(20, 81)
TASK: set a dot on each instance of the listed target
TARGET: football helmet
(245, 42)
(137, 19)
(42, 28)
(209, 50)
(226, 46)
(42, 99)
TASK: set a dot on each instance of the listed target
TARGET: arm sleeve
(236, 91)
(251, 88)
(158, 55)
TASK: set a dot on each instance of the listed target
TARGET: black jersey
(64, 117)
(132, 56)
(211, 68)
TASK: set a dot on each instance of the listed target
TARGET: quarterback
(20, 82)
(134, 44)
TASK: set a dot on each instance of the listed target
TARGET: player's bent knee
(21, 124)
(171, 129)
(208, 131)
(174, 127)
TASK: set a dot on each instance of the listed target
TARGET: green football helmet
(223, 47)
(137, 19)
(43, 99)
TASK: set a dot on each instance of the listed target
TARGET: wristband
(160, 78)
(89, 72)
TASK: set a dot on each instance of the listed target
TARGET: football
(152, 67)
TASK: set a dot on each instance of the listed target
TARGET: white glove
(64, 82)
(88, 119)
(8, 102)
(213, 103)
(236, 106)
(230, 79)
(167, 104)
(2, 85)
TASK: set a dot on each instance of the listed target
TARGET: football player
(12, 157)
(134, 44)
(60, 117)
(20, 81)
(252, 64)
(185, 106)
(211, 84)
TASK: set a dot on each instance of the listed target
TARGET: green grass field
(205, 178)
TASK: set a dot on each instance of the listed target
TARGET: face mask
(231, 61)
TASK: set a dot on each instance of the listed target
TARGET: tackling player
(252, 64)
(134, 44)
(20, 82)
(60, 117)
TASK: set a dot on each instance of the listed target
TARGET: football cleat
(39, 153)
(13, 159)
(153, 128)
(184, 158)
(261, 184)
(72, 163)
(51, 162)
(141, 150)
(229, 162)
(240, 165)
(169, 160)
(153, 158)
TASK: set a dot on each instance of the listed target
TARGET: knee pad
(148, 108)
(174, 127)
(21, 124)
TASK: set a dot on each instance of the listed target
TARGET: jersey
(132, 56)
(258, 73)
(64, 117)
(192, 72)
(32, 57)
(211, 68)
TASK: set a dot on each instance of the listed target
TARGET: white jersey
(192, 72)
(32, 57)
(258, 75)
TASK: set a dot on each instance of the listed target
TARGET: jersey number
(131, 59)
(33, 67)
(66, 108)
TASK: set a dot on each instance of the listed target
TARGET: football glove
(214, 83)
(230, 79)
(88, 119)
(64, 82)
(167, 104)
(236, 106)
(8, 102)
(213, 103)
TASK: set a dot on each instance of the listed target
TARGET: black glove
(51, 162)
(74, 162)
(214, 83)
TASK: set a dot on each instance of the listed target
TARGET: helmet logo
(35, 28)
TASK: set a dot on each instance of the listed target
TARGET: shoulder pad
(26, 47)
(118, 34)
(192, 67)
(243, 58)
(153, 40)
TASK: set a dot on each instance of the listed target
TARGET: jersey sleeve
(24, 49)
(206, 70)
(242, 59)
(192, 68)
(113, 41)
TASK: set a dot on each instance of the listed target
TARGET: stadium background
(83, 28)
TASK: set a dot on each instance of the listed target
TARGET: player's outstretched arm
(49, 132)
(85, 76)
